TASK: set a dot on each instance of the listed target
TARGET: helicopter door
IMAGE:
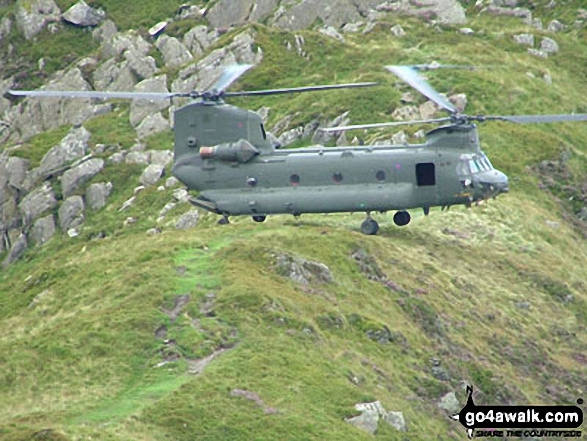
(426, 188)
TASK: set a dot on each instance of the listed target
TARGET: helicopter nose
(491, 183)
(500, 183)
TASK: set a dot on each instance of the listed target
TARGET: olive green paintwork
(318, 179)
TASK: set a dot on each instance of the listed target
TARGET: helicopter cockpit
(477, 174)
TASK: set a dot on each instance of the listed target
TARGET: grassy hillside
(103, 338)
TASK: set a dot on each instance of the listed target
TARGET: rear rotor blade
(410, 76)
(229, 76)
(94, 94)
(298, 89)
(537, 119)
(388, 124)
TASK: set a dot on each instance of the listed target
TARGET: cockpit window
(473, 166)
(263, 132)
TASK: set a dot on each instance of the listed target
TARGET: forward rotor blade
(537, 119)
(387, 124)
(410, 76)
(229, 76)
(94, 94)
(298, 89)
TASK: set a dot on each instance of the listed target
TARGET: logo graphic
(474, 417)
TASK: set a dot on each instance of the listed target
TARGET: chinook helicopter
(225, 154)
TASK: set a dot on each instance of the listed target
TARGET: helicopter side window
(294, 180)
(425, 174)
(263, 132)
(473, 165)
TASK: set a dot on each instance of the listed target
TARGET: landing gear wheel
(369, 227)
(259, 218)
(224, 221)
(402, 218)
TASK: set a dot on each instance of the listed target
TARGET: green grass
(78, 353)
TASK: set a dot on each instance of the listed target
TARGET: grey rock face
(74, 178)
(138, 158)
(188, 220)
(161, 157)
(81, 14)
(33, 16)
(301, 270)
(152, 174)
(96, 195)
(152, 124)
(227, 12)
(140, 109)
(450, 404)
(34, 116)
(367, 421)
(17, 250)
(396, 420)
(331, 32)
(73, 146)
(174, 52)
(201, 76)
(525, 39)
(37, 203)
(16, 171)
(556, 26)
(43, 230)
(105, 32)
(114, 76)
(200, 38)
(119, 43)
(71, 213)
(549, 45)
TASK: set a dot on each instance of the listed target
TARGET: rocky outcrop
(140, 109)
(74, 178)
(152, 174)
(188, 220)
(202, 75)
(151, 125)
(83, 15)
(33, 16)
(226, 13)
(34, 115)
(200, 38)
(72, 147)
(17, 250)
(174, 52)
(300, 270)
(71, 213)
(372, 413)
(37, 202)
(43, 230)
(96, 195)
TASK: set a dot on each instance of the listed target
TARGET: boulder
(32, 16)
(96, 195)
(74, 178)
(226, 13)
(151, 125)
(140, 109)
(450, 404)
(105, 31)
(161, 157)
(174, 52)
(525, 39)
(114, 76)
(152, 174)
(17, 250)
(398, 31)
(71, 213)
(16, 169)
(73, 146)
(556, 26)
(301, 270)
(188, 220)
(43, 230)
(143, 67)
(396, 420)
(136, 157)
(200, 38)
(83, 15)
(5, 28)
(37, 202)
(549, 46)
(116, 45)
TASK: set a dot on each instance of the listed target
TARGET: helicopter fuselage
(448, 169)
